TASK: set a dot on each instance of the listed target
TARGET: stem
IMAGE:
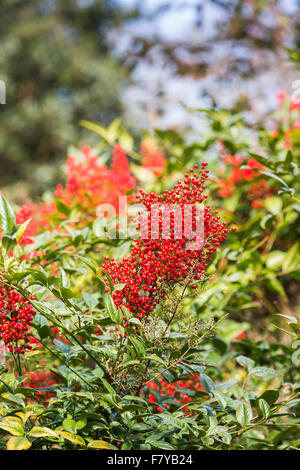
(262, 420)
(57, 323)
(179, 300)
(18, 363)
(66, 364)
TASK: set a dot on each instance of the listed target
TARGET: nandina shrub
(162, 394)
(159, 261)
(42, 381)
(16, 316)
(89, 183)
(235, 172)
(132, 344)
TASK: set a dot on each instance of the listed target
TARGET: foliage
(214, 364)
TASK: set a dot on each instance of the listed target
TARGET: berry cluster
(158, 262)
(162, 394)
(16, 315)
(41, 379)
(292, 125)
(233, 175)
(89, 183)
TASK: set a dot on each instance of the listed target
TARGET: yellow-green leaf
(39, 431)
(24, 416)
(13, 425)
(18, 443)
(101, 445)
(22, 228)
(71, 437)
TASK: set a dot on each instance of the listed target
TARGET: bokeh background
(147, 61)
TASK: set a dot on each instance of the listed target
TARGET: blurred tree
(58, 69)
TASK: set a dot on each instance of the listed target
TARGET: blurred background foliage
(98, 59)
(58, 68)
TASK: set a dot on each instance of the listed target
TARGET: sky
(157, 86)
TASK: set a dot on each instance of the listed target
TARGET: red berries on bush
(158, 262)
(16, 315)
(178, 392)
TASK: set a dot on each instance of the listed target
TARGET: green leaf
(119, 286)
(13, 398)
(273, 204)
(22, 228)
(264, 372)
(270, 396)
(288, 160)
(292, 258)
(108, 387)
(274, 259)
(161, 445)
(245, 362)
(264, 407)
(114, 312)
(272, 175)
(69, 425)
(62, 207)
(8, 242)
(155, 358)
(98, 129)
(7, 216)
(66, 293)
(263, 160)
(90, 300)
(207, 383)
(244, 414)
(60, 346)
(138, 346)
